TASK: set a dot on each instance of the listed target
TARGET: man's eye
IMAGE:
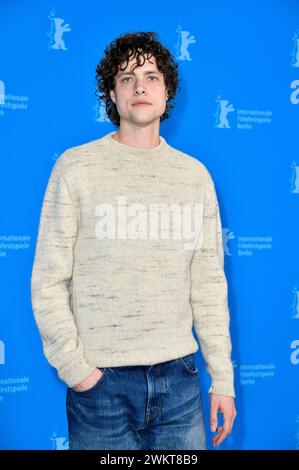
(150, 76)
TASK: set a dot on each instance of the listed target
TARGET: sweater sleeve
(50, 281)
(208, 296)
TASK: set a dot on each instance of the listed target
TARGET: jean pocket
(188, 364)
(94, 387)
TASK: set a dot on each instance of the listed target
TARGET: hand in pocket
(90, 381)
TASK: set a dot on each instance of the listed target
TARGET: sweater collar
(131, 151)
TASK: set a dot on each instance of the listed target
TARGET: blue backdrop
(237, 113)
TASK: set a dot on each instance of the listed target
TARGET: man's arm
(50, 279)
(208, 297)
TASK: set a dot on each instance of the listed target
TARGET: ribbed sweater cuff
(223, 386)
(75, 371)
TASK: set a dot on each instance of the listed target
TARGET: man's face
(140, 83)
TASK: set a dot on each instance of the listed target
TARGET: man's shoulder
(73, 157)
(191, 163)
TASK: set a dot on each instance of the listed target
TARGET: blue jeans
(157, 407)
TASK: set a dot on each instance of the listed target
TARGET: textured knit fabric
(106, 289)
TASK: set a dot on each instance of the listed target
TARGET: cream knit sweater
(128, 257)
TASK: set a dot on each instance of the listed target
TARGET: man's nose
(139, 89)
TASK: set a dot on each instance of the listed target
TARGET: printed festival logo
(57, 30)
(227, 235)
(59, 442)
(294, 180)
(295, 303)
(295, 51)
(185, 38)
(224, 107)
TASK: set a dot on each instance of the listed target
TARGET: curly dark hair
(121, 49)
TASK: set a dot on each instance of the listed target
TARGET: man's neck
(142, 141)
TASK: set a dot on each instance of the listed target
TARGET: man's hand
(90, 381)
(226, 405)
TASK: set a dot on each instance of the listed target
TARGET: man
(114, 301)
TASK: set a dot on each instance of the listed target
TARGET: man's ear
(112, 96)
